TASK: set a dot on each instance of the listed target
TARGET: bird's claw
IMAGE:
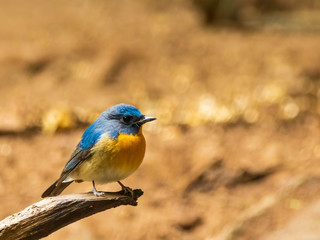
(126, 190)
(99, 194)
(96, 192)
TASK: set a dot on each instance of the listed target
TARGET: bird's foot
(97, 193)
(126, 190)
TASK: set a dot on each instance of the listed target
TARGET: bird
(111, 149)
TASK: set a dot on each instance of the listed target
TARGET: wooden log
(47, 216)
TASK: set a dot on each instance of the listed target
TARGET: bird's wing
(83, 150)
(77, 157)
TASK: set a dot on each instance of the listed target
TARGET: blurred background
(234, 84)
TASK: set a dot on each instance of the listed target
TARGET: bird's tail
(56, 188)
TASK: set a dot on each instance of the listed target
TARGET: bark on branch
(47, 216)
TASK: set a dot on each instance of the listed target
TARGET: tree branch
(47, 216)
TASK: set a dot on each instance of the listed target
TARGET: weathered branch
(44, 217)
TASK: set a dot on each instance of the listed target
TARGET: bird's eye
(127, 119)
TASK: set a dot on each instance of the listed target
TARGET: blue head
(125, 118)
(119, 119)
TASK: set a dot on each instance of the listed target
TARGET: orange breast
(131, 150)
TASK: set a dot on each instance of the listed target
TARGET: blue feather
(92, 134)
(125, 109)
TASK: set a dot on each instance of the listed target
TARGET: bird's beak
(146, 119)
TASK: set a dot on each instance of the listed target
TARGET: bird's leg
(95, 192)
(126, 189)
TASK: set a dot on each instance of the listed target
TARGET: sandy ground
(235, 151)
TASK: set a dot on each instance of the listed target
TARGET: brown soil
(235, 151)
